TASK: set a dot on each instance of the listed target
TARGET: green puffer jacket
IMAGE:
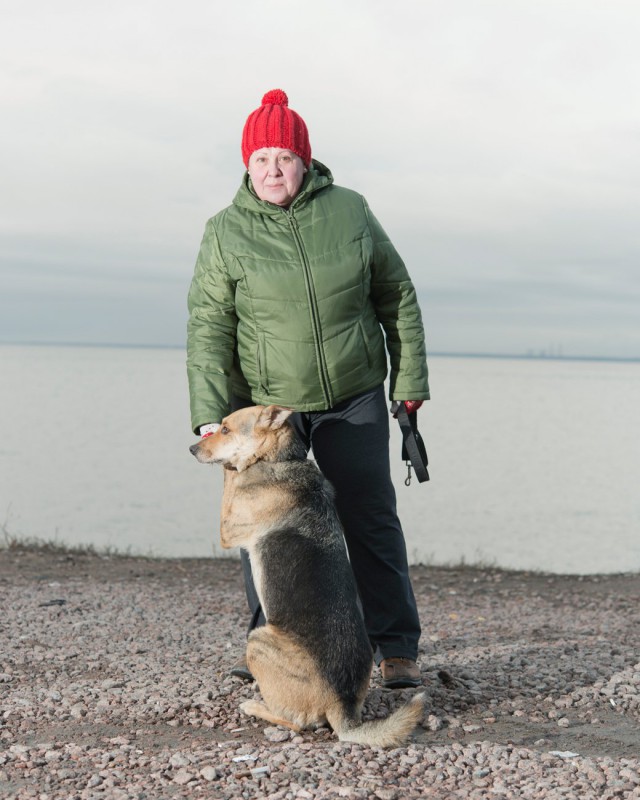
(286, 305)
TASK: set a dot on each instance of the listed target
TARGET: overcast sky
(497, 142)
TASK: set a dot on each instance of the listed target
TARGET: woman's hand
(208, 430)
(410, 405)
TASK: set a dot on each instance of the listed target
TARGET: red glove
(411, 406)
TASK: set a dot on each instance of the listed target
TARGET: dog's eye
(224, 429)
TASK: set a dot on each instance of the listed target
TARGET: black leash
(414, 453)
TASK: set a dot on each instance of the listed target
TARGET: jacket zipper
(315, 317)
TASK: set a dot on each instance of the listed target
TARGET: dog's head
(244, 437)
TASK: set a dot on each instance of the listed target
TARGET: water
(534, 463)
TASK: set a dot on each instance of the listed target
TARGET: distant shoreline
(434, 353)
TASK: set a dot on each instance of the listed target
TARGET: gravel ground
(113, 684)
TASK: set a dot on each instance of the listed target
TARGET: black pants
(350, 444)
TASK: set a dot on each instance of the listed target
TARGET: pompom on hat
(274, 124)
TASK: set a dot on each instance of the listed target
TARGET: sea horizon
(527, 356)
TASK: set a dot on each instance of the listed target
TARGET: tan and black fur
(312, 660)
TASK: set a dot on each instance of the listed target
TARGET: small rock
(386, 794)
(563, 722)
(179, 760)
(209, 773)
(276, 734)
(259, 772)
(112, 684)
(434, 723)
(182, 777)
(565, 754)
(472, 728)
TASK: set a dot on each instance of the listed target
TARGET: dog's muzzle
(194, 449)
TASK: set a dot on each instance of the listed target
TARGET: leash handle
(413, 449)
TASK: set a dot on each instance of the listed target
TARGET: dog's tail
(392, 731)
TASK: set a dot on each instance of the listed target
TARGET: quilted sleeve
(396, 305)
(211, 333)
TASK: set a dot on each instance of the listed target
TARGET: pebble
(182, 777)
(209, 773)
(277, 734)
(179, 760)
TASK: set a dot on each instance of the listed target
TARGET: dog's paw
(252, 708)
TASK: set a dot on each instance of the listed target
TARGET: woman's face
(276, 174)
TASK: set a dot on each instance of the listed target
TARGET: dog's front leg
(236, 525)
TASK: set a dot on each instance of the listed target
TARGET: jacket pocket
(262, 363)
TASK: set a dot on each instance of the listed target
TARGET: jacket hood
(317, 178)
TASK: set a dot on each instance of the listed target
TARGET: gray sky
(497, 142)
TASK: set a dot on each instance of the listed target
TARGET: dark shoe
(241, 670)
(400, 673)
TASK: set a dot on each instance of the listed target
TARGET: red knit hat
(274, 124)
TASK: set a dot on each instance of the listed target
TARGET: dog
(312, 660)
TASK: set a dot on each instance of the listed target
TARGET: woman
(295, 293)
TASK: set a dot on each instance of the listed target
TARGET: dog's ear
(273, 417)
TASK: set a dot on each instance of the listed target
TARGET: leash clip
(407, 480)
